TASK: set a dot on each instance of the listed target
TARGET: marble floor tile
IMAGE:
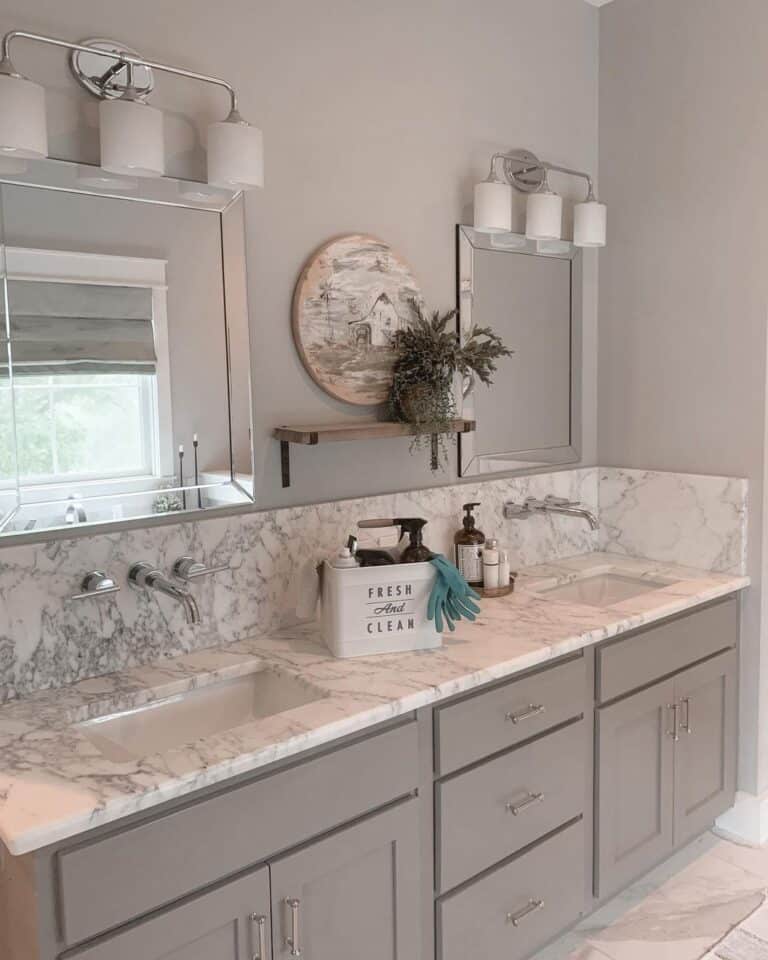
(740, 945)
(683, 910)
(757, 924)
(754, 859)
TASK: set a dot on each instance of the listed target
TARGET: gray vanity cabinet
(634, 795)
(230, 923)
(705, 753)
(353, 894)
(666, 768)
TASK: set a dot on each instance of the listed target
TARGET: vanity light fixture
(524, 171)
(493, 204)
(131, 131)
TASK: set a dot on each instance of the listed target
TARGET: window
(79, 427)
(90, 396)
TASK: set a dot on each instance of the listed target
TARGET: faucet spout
(573, 511)
(146, 577)
(550, 504)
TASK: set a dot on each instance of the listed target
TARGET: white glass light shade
(589, 223)
(131, 134)
(493, 207)
(22, 118)
(235, 155)
(544, 216)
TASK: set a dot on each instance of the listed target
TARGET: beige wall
(377, 117)
(684, 280)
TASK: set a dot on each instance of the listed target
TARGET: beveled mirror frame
(61, 175)
(472, 461)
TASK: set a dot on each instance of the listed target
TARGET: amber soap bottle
(468, 547)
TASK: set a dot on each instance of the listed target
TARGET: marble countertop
(55, 784)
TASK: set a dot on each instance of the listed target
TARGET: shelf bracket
(285, 462)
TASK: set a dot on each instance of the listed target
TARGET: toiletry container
(491, 564)
(370, 610)
(468, 548)
(505, 571)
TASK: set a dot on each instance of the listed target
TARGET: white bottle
(491, 563)
(504, 571)
(344, 559)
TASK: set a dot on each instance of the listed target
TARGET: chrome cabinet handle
(531, 907)
(292, 942)
(515, 808)
(94, 585)
(675, 711)
(685, 724)
(258, 936)
(533, 710)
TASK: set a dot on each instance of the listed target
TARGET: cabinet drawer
(518, 908)
(486, 723)
(505, 804)
(627, 664)
(109, 881)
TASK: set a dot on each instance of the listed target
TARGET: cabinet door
(231, 922)
(705, 754)
(354, 894)
(635, 771)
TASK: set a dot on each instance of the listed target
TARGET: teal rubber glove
(451, 598)
(454, 579)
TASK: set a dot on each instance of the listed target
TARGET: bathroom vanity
(471, 811)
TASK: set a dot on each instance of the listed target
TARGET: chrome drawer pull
(533, 710)
(515, 808)
(686, 723)
(259, 935)
(292, 942)
(531, 907)
(674, 731)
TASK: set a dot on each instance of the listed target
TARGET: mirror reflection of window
(86, 368)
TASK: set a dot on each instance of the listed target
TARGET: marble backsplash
(687, 519)
(47, 640)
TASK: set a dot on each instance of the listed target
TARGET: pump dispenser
(468, 544)
(416, 551)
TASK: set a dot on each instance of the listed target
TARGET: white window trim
(66, 266)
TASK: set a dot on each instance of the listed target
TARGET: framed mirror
(124, 354)
(529, 292)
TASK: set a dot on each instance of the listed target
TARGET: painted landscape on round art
(352, 296)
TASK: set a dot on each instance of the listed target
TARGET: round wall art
(352, 295)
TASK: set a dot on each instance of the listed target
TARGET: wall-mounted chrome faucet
(550, 504)
(145, 576)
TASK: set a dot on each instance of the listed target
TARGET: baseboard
(747, 820)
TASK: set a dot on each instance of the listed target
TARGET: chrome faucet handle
(187, 568)
(94, 585)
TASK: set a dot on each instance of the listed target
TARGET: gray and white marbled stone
(693, 520)
(47, 641)
(55, 784)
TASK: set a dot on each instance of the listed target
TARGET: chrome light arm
(128, 59)
(528, 174)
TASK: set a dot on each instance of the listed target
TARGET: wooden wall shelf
(311, 435)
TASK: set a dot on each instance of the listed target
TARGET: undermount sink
(185, 717)
(603, 589)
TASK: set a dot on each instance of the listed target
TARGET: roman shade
(80, 328)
